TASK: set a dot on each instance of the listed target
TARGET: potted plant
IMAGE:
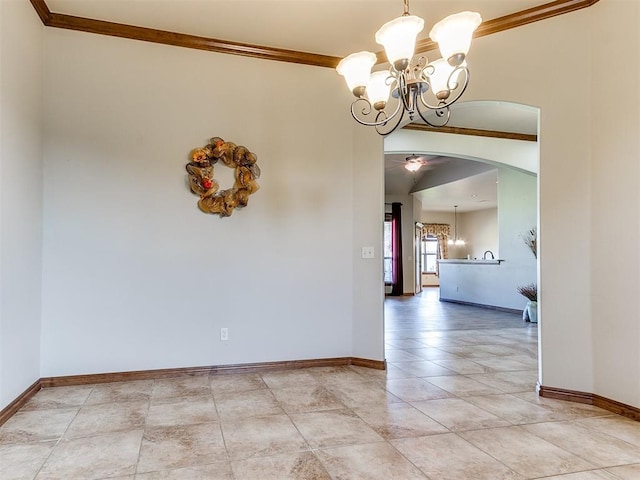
(530, 292)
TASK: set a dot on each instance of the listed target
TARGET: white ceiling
(477, 192)
(330, 27)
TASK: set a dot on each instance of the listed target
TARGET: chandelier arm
(367, 110)
(440, 112)
(400, 117)
(449, 101)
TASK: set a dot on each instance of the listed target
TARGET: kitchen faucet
(484, 257)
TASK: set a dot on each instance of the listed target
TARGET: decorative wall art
(200, 170)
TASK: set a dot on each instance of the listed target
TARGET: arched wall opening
(513, 166)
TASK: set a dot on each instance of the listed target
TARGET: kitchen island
(490, 283)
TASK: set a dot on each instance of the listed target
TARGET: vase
(531, 311)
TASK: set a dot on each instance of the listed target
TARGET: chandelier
(455, 241)
(418, 87)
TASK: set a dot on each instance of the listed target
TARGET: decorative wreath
(201, 181)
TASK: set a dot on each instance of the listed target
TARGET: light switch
(368, 252)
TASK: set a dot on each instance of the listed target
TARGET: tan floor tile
(458, 415)
(121, 392)
(399, 355)
(307, 398)
(333, 428)
(423, 368)
(296, 466)
(449, 457)
(525, 453)
(184, 386)
(598, 448)
(22, 461)
(563, 410)
(509, 382)
(262, 436)
(589, 475)
(372, 374)
(378, 461)
(37, 425)
(626, 472)
(513, 409)
(503, 364)
(175, 411)
(616, 426)
(363, 394)
(500, 350)
(462, 386)
(215, 471)
(236, 383)
(463, 366)
(415, 389)
(337, 375)
(59, 397)
(254, 403)
(465, 351)
(289, 378)
(181, 446)
(432, 353)
(399, 420)
(101, 456)
(110, 417)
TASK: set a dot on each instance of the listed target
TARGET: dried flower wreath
(202, 183)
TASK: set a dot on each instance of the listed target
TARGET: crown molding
(472, 131)
(101, 27)
(513, 20)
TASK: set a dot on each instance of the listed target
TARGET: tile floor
(457, 403)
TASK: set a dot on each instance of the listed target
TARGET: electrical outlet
(224, 334)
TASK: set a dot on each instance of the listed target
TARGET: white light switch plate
(368, 252)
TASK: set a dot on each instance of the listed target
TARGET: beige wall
(130, 263)
(588, 327)
(479, 229)
(126, 254)
(21, 50)
(615, 202)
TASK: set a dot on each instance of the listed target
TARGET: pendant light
(411, 87)
(455, 241)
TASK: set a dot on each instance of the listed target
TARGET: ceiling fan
(414, 162)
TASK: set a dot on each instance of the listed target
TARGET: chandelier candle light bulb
(398, 37)
(453, 35)
(418, 87)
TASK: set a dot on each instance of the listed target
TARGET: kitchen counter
(480, 282)
(472, 262)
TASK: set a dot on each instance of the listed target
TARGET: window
(388, 274)
(429, 254)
